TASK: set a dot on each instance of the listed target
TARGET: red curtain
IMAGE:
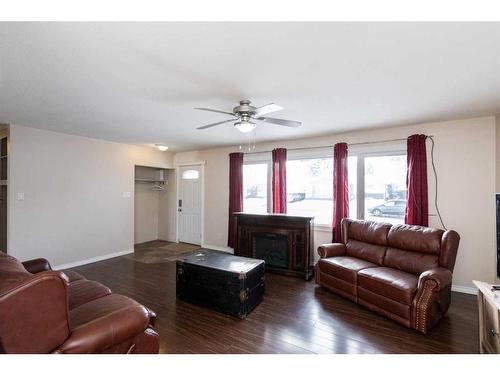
(279, 180)
(235, 194)
(417, 203)
(340, 189)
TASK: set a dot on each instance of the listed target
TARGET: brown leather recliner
(401, 271)
(45, 311)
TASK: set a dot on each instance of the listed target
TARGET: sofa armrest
(432, 299)
(34, 314)
(37, 265)
(440, 276)
(331, 250)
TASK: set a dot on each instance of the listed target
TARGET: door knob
(493, 333)
(179, 209)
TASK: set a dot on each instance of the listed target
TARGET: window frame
(397, 148)
(262, 158)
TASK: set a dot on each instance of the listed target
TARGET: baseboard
(219, 248)
(93, 260)
(464, 289)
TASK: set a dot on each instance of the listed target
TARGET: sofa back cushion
(366, 251)
(409, 248)
(415, 238)
(11, 271)
(367, 240)
(368, 231)
(412, 248)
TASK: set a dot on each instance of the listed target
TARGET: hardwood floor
(295, 317)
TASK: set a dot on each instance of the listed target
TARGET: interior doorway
(189, 208)
(153, 200)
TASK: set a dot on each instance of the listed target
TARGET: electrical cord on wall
(436, 178)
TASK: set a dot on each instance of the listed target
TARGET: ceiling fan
(245, 113)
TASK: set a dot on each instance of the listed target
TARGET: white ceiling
(138, 82)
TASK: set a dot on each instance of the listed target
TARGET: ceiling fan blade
(278, 121)
(215, 110)
(215, 124)
(268, 108)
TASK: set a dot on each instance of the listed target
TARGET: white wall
(146, 213)
(74, 206)
(465, 161)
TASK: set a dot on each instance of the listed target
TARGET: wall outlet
(20, 196)
(127, 194)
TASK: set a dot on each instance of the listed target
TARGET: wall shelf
(157, 177)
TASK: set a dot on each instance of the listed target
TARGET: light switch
(127, 194)
(20, 196)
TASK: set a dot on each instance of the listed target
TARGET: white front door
(189, 204)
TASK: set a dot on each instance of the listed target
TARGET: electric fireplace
(284, 242)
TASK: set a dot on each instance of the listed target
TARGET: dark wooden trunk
(220, 281)
(284, 242)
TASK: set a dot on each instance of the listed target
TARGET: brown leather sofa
(401, 271)
(45, 311)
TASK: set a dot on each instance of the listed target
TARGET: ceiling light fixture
(161, 147)
(244, 126)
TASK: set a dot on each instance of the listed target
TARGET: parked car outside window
(394, 207)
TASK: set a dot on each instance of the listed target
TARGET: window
(255, 188)
(191, 174)
(309, 186)
(377, 183)
(377, 186)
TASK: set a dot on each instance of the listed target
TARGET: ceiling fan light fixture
(161, 147)
(244, 126)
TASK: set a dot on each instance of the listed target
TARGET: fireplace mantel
(284, 241)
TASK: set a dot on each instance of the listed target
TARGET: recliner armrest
(37, 265)
(34, 313)
(113, 320)
(331, 250)
(440, 275)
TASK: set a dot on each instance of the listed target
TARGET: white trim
(322, 228)
(219, 248)
(373, 149)
(257, 158)
(464, 289)
(313, 153)
(93, 260)
(181, 164)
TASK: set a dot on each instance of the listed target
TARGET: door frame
(178, 167)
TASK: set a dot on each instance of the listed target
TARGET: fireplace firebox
(284, 242)
(271, 248)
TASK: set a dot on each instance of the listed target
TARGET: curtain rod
(349, 144)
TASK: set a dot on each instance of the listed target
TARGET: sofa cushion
(397, 285)
(344, 267)
(73, 276)
(11, 271)
(368, 231)
(366, 251)
(83, 291)
(415, 238)
(410, 261)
